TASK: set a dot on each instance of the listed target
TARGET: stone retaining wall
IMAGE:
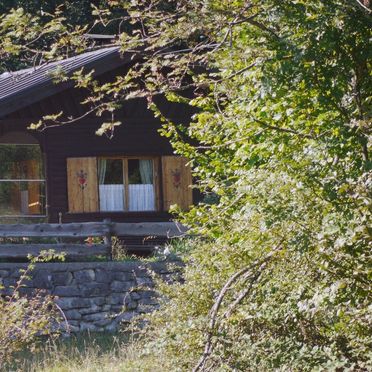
(94, 296)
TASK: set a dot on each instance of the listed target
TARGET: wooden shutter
(177, 180)
(82, 185)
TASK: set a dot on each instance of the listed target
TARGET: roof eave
(46, 89)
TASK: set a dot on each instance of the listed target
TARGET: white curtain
(111, 198)
(141, 198)
(102, 164)
(145, 168)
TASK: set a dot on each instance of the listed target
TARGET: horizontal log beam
(68, 230)
(70, 250)
(164, 229)
(85, 229)
(139, 247)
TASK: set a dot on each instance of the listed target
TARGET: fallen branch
(244, 292)
(246, 272)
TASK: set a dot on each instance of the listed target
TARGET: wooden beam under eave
(28, 121)
(15, 122)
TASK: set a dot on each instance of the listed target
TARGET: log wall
(138, 135)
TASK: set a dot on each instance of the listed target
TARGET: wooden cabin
(68, 173)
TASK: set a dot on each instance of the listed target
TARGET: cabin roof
(21, 88)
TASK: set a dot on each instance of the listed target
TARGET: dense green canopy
(282, 277)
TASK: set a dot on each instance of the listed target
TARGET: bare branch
(285, 130)
(237, 72)
(363, 6)
(225, 144)
(261, 26)
(246, 272)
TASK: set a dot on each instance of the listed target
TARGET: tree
(40, 24)
(281, 279)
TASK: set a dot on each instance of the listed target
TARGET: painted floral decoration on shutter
(176, 175)
(82, 179)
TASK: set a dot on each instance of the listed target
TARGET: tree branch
(246, 272)
(363, 6)
(237, 72)
(285, 130)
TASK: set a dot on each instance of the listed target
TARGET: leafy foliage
(282, 277)
(38, 31)
(283, 132)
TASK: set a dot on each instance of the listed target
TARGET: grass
(93, 352)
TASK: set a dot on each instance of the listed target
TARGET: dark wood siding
(138, 135)
(78, 140)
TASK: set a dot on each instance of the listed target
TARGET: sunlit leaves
(280, 143)
(275, 147)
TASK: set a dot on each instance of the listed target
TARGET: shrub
(25, 319)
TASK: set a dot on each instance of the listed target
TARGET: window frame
(18, 181)
(156, 181)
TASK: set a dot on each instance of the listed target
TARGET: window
(126, 184)
(22, 183)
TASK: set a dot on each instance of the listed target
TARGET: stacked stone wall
(94, 296)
